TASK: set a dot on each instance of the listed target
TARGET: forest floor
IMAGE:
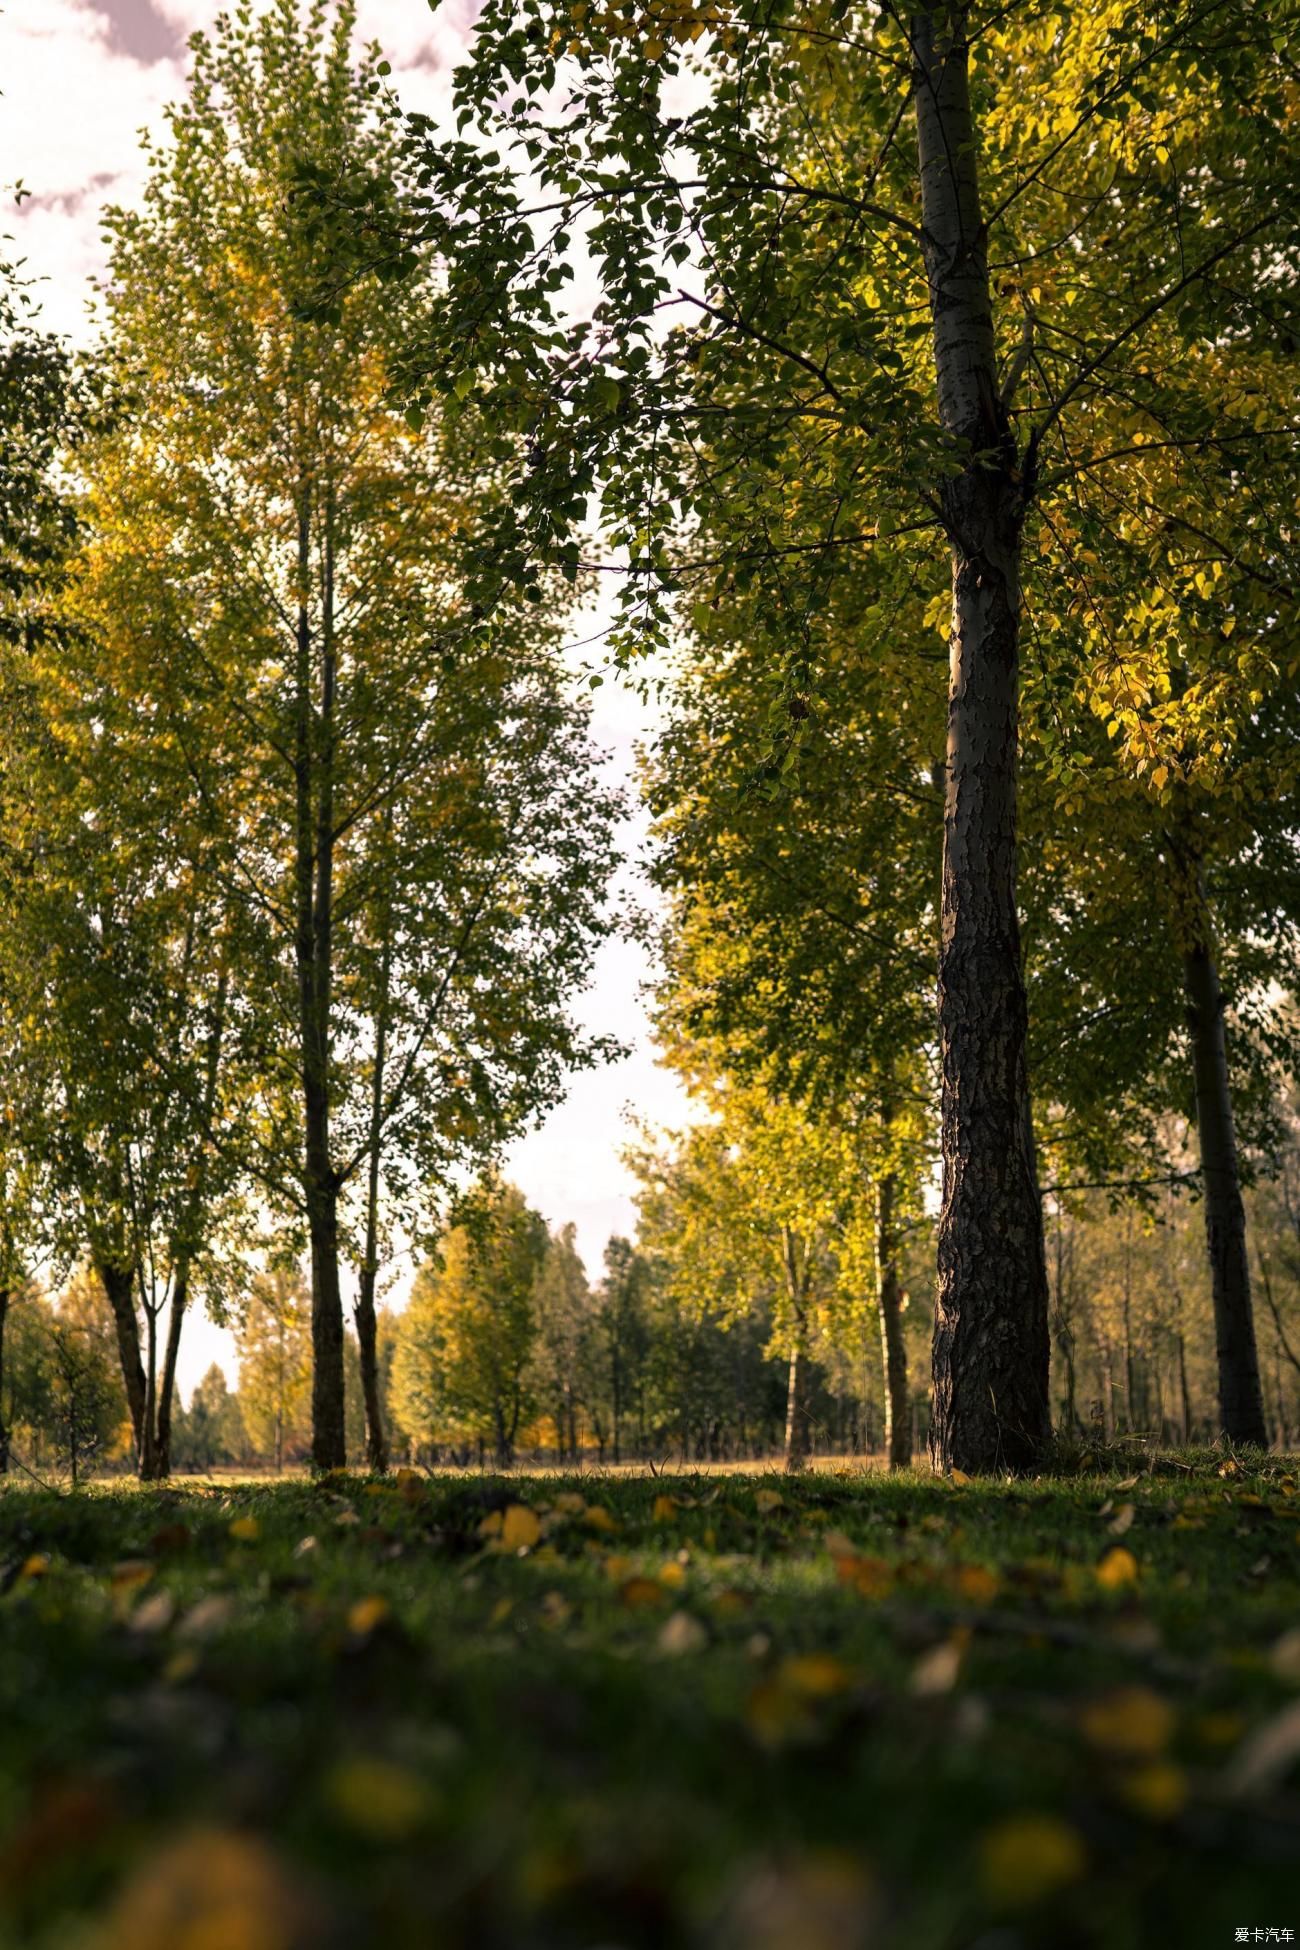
(744, 1712)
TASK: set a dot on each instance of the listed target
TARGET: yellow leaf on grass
(1028, 1858)
(665, 1509)
(599, 1518)
(1133, 1723)
(209, 1888)
(490, 1526)
(959, 1477)
(673, 1575)
(816, 1675)
(870, 1577)
(976, 1583)
(366, 1615)
(35, 1566)
(638, 1592)
(244, 1529)
(616, 1567)
(570, 1504)
(936, 1670)
(520, 1527)
(378, 1799)
(1158, 1791)
(500, 1611)
(765, 1501)
(1117, 1569)
(153, 1614)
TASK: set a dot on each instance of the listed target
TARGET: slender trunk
(150, 1469)
(1241, 1406)
(796, 1402)
(119, 1287)
(1129, 1404)
(990, 1408)
(364, 1311)
(313, 764)
(898, 1420)
(4, 1426)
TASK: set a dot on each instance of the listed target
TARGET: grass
(620, 1711)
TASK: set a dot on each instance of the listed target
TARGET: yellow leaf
(765, 1501)
(599, 1518)
(520, 1528)
(616, 1566)
(816, 1675)
(1132, 1723)
(665, 1508)
(376, 1798)
(639, 1592)
(244, 1529)
(673, 1575)
(959, 1477)
(36, 1566)
(1117, 1569)
(570, 1503)
(1028, 1858)
(870, 1577)
(936, 1670)
(1159, 1791)
(500, 1612)
(153, 1614)
(976, 1583)
(366, 1615)
(491, 1524)
(210, 1887)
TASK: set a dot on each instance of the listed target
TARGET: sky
(80, 79)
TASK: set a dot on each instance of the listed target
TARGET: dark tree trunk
(4, 1426)
(119, 1287)
(313, 764)
(1241, 1405)
(796, 1403)
(364, 1311)
(991, 1338)
(898, 1416)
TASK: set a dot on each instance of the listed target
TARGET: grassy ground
(699, 1711)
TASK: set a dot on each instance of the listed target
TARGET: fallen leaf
(366, 1615)
(490, 1525)
(1284, 1659)
(378, 1799)
(1158, 1791)
(839, 1545)
(244, 1529)
(35, 1566)
(936, 1670)
(599, 1518)
(520, 1528)
(1117, 1569)
(556, 1609)
(664, 1509)
(959, 1477)
(153, 1614)
(673, 1575)
(1132, 1723)
(870, 1577)
(681, 1634)
(204, 1620)
(1266, 1756)
(570, 1504)
(1122, 1521)
(976, 1583)
(209, 1888)
(1028, 1858)
(815, 1675)
(765, 1501)
(1129, 1483)
(640, 1592)
(824, 1902)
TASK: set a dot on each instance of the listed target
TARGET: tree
(275, 1366)
(390, 794)
(87, 1403)
(622, 1324)
(461, 1368)
(810, 241)
(209, 1429)
(562, 1335)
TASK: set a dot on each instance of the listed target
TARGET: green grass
(941, 1727)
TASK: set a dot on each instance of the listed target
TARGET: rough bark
(991, 1339)
(118, 1282)
(364, 1310)
(313, 762)
(898, 1414)
(4, 1426)
(1241, 1404)
(796, 1404)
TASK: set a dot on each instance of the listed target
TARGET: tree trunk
(364, 1311)
(898, 1419)
(4, 1426)
(313, 762)
(151, 1467)
(119, 1287)
(1241, 1406)
(991, 1407)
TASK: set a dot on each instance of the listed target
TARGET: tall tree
(392, 795)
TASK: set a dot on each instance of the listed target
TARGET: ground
(613, 1712)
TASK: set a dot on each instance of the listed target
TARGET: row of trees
(302, 852)
(967, 318)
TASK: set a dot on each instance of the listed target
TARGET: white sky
(80, 79)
